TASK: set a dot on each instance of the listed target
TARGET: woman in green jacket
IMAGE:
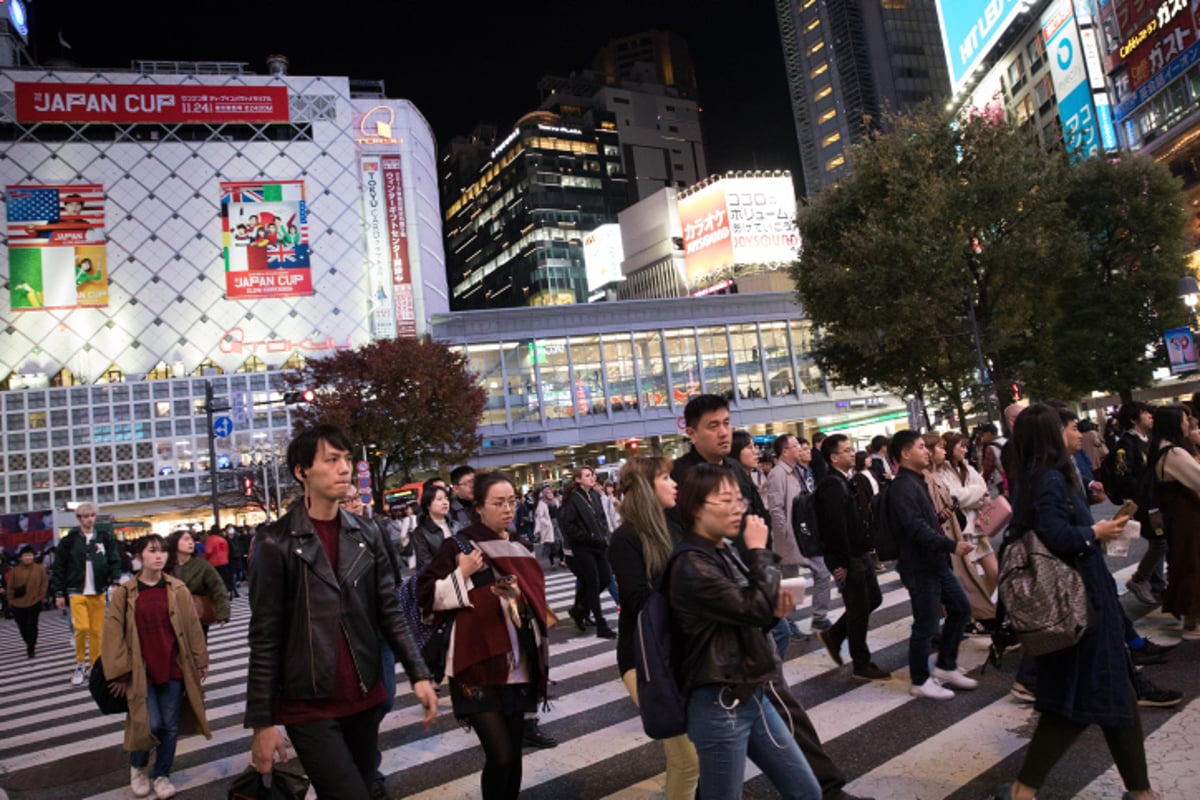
(200, 577)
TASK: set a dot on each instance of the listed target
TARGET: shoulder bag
(1044, 596)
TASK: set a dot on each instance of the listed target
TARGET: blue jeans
(162, 706)
(724, 736)
(389, 687)
(928, 592)
(781, 634)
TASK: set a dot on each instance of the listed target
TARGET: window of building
(810, 26)
(587, 389)
(781, 379)
(819, 70)
(1043, 89)
(815, 47)
(684, 364)
(552, 360)
(835, 162)
(618, 359)
(253, 364)
(160, 372)
(523, 405)
(295, 361)
(207, 364)
(653, 386)
(831, 138)
(744, 341)
(716, 362)
(826, 116)
(1036, 50)
(822, 93)
(1016, 73)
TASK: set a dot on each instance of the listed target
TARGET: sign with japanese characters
(1163, 39)
(56, 247)
(148, 103)
(1069, 74)
(739, 221)
(264, 229)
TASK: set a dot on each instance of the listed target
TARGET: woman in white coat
(968, 487)
(544, 529)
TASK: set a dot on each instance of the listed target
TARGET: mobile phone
(1127, 509)
(507, 580)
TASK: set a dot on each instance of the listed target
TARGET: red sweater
(216, 550)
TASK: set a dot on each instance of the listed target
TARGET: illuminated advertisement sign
(149, 103)
(56, 250)
(969, 29)
(602, 255)
(264, 230)
(739, 221)
(1069, 74)
(389, 273)
(1168, 38)
(393, 192)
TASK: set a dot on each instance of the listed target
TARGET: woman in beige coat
(154, 654)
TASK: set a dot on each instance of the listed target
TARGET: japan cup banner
(56, 247)
(264, 232)
(149, 103)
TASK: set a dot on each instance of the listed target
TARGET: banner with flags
(264, 231)
(56, 252)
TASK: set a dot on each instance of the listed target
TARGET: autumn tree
(412, 404)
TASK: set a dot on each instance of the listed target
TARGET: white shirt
(89, 576)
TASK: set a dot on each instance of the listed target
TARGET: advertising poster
(406, 318)
(56, 251)
(969, 30)
(603, 253)
(1067, 70)
(1181, 350)
(149, 103)
(707, 246)
(264, 230)
(34, 528)
(739, 221)
(380, 286)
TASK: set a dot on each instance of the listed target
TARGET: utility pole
(209, 407)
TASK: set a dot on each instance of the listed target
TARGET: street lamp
(1189, 291)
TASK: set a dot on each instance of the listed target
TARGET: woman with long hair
(638, 553)
(545, 525)
(434, 526)
(498, 658)
(155, 656)
(743, 451)
(1172, 457)
(978, 592)
(1090, 682)
(584, 526)
(968, 487)
(725, 608)
(200, 577)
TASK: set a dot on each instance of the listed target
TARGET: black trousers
(226, 573)
(27, 623)
(591, 567)
(338, 755)
(860, 592)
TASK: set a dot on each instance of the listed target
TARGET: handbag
(204, 609)
(1044, 596)
(993, 516)
(105, 699)
(282, 784)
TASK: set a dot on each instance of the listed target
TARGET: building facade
(850, 61)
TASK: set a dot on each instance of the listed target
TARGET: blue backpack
(662, 704)
(433, 638)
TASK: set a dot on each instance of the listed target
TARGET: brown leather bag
(204, 609)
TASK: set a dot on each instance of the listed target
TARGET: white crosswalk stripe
(603, 752)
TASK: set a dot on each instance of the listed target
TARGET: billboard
(1181, 350)
(264, 230)
(33, 528)
(56, 252)
(148, 103)
(603, 253)
(739, 221)
(1161, 41)
(969, 29)
(389, 273)
(1069, 74)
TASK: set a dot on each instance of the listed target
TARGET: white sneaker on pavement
(139, 781)
(931, 689)
(80, 673)
(954, 677)
(163, 788)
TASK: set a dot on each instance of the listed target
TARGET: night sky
(459, 62)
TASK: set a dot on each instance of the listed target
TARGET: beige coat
(122, 654)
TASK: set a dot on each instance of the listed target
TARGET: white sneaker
(954, 677)
(139, 781)
(80, 673)
(931, 689)
(163, 788)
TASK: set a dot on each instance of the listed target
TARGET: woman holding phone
(498, 658)
(725, 609)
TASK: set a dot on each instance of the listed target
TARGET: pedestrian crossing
(53, 742)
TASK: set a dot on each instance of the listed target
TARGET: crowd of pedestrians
(720, 531)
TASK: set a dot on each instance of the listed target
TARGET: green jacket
(201, 578)
(67, 574)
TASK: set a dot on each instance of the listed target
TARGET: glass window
(522, 382)
(653, 387)
(714, 357)
(746, 358)
(810, 375)
(588, 387)
(685, 369)
(778, 357)
(556, 377)
(622, 383)
(484, 361)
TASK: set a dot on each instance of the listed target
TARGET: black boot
(576, 614)
(603, 631)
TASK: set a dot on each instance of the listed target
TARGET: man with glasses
(88, 562)
(847, 544)
(462, 482)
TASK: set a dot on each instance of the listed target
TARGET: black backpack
(882, 536)
(804, 525)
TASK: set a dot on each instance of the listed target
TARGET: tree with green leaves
(944, 227)
(412, 405)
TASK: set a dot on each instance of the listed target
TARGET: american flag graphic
(38, 216)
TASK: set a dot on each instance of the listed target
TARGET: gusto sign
(149, 103)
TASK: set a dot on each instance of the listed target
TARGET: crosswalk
(53, 743)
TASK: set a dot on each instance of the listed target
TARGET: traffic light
(303, 396)
(633, 446)
(248, 485)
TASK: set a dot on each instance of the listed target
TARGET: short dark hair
(302, 450)
(458, 473)
(901, 443)
(700, 405)
(818, 438)
(147, 540)
(832, 443)
(780, 443)
(699, 482)
(429, 495)
(1127, 415)
(484, 483)
(429, 483)
(877, 443)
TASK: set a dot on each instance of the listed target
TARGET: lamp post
(1189, 291)
(211, 405)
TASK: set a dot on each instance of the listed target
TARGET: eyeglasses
(502, 504)
(730, 503)
(466, 482)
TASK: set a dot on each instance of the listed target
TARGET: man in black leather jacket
(321, 598)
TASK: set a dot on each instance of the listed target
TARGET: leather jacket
(724, 609)
(299, 608)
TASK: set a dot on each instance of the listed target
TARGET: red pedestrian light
(248, 485)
